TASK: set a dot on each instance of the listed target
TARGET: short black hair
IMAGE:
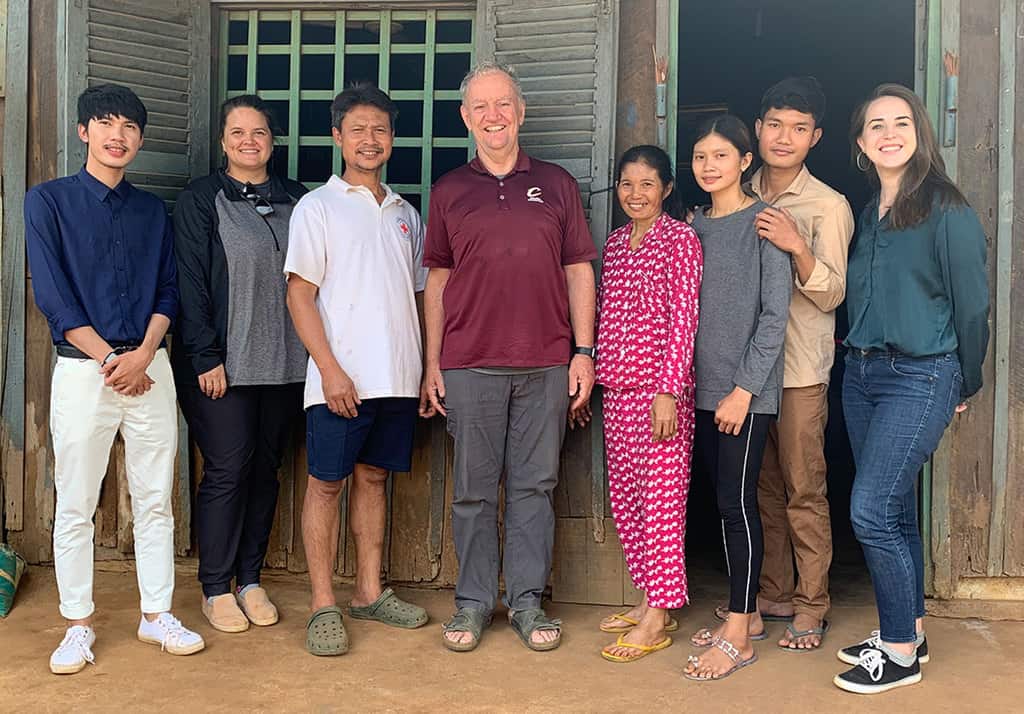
(362, 94)
(111, 100)
(804, 94)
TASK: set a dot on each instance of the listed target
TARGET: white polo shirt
(367, 259)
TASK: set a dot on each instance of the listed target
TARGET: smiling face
(641, 191)
(717, 163)
(493, 113)
(365, 138)
(889, 136)
(247, 141)
(112, 142)
(785, 137)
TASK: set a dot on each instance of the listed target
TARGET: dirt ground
(975, 665)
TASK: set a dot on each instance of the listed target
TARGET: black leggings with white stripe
(733, 463)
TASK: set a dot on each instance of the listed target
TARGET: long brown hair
(925, 180)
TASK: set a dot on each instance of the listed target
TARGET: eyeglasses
(261, 204)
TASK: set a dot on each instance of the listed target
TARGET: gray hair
(490, 68)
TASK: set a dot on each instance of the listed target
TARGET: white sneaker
(168, 632)
(74, 651)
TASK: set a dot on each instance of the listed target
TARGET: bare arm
(339, 390)
(579, 278)
(432, 391)
(582, 302)
(89, 341)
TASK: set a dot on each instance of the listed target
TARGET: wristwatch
(590, 352)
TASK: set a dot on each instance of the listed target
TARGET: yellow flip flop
(644, 650)
(616, 629)
(671, 626)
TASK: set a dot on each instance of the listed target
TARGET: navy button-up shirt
(100, 256)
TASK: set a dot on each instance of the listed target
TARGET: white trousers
(85, 414)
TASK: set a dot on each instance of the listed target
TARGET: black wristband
(590, 352)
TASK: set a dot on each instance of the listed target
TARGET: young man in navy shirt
(101, 256)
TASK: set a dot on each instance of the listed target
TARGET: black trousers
(241, 436)
(734, 463)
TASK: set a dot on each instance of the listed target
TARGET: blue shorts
(380, 435)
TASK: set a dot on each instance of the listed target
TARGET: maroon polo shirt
(507, 242)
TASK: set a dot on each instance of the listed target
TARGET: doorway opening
(730, 52)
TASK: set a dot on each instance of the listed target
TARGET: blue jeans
(896, 409)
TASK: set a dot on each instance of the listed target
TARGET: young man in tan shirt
(814, 224)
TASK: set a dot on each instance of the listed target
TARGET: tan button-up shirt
(825, 220)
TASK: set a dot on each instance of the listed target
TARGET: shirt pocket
(652, 293)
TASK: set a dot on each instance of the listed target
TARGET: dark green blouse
(922, 290)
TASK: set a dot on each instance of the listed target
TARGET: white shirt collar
(346, 187)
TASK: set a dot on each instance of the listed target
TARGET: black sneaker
(922, 651)
(876, 673)
(851, 654)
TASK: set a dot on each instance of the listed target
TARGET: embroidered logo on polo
(533, 194)
(404, 227)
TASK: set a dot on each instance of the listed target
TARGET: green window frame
(245, 50)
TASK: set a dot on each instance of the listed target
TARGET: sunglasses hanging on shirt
(261, 204)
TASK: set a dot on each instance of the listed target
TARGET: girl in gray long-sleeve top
(744, 307)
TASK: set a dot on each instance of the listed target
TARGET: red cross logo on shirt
(404, 227)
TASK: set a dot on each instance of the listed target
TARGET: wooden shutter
(564, 53)
(161, 49)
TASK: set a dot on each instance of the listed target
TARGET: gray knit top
(744, 307)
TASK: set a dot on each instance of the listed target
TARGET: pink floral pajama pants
(648, 482)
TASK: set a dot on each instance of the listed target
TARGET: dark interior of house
(730, 52)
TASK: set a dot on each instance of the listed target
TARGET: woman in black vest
(239, 366)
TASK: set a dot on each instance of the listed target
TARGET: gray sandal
(795, 635)
(325, 633)
(391, 610)
(465, 619)
(526, 622)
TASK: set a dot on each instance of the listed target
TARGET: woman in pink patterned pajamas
(647, 324)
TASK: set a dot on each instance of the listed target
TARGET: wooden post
(12, 265)
(634, 118)
(40, 150)
(970, 438)
(1013, 560)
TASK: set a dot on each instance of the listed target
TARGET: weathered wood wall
(28, 468)
(1014, 558)
(971, 492)
(978, 541)
(3, 282)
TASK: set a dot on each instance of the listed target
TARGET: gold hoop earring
(859, 155)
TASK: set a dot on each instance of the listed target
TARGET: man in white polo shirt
(354, 254)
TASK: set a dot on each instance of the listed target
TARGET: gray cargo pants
(512, 424)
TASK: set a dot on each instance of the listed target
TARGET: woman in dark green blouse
(917, 296)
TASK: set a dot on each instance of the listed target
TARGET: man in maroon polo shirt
(509, 293)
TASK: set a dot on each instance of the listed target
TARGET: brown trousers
(794, 510)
